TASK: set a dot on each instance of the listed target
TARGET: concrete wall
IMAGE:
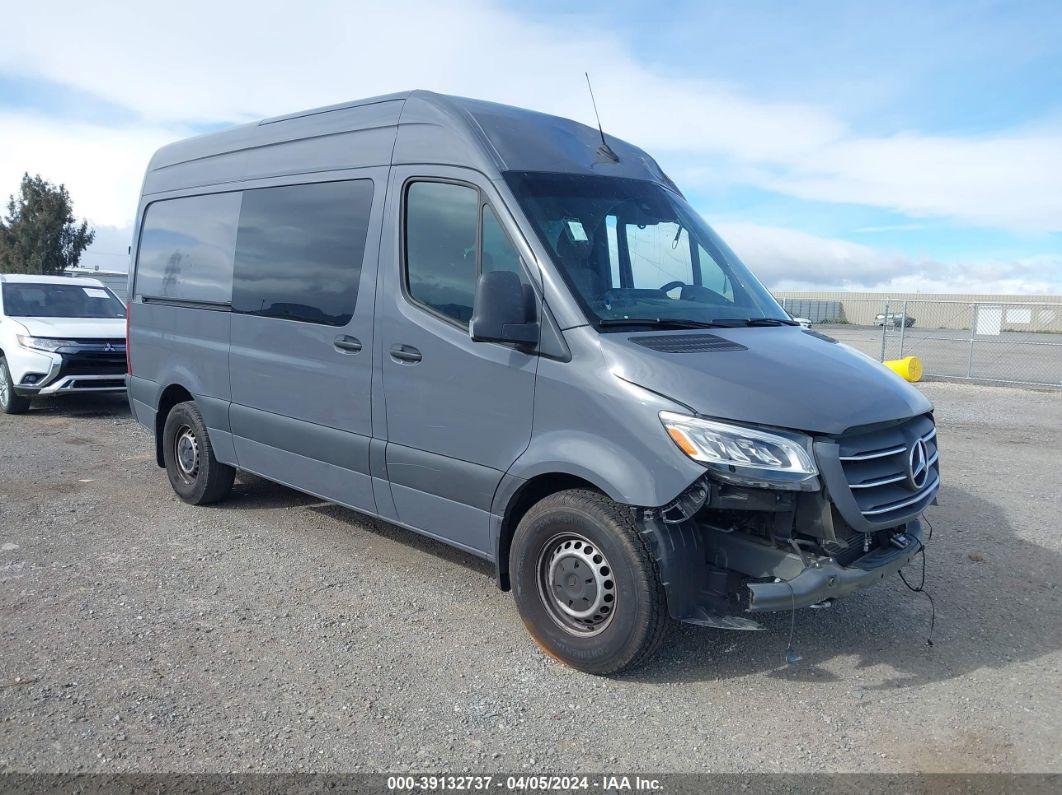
(939, 311)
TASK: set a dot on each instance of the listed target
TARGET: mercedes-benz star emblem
(918, 465)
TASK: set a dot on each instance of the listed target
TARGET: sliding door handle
(347, 344)
(405, 353)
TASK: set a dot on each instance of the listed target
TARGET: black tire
(196, 475)
(621, 617)
(10, 403)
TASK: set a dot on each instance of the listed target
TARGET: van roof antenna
(605, 149)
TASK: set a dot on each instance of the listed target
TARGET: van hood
(73, 327)
(781, 376)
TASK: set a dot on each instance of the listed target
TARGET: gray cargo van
(510, 332)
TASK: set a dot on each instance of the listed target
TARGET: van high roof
(409, 127)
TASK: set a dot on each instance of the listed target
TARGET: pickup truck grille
(883, 477)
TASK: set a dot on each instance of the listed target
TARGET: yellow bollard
(908, 368)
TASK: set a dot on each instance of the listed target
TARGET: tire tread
(623, 518)
(219, 477)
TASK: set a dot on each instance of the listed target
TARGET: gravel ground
(276, 632)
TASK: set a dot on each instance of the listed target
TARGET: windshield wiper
(658, 322)
(753, 321)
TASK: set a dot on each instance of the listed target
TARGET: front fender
(645, 477)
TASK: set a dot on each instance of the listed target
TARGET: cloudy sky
(880, 146)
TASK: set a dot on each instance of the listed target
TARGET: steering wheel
(667, 288)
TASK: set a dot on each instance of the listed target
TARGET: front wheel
(195, 474)
(10, 403)
(585, 585)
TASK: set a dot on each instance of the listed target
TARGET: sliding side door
(301, 343)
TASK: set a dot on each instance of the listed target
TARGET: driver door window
(441, 230)
(452, 236)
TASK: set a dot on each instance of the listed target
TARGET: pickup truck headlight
(744, 456)
(42, 343)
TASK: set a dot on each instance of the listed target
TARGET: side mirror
(501, 312)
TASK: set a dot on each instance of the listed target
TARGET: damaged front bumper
(822, 579)
(718, 578)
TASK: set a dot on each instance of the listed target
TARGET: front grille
(93, 363)
(869, 474)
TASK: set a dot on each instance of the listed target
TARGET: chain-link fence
(1002, 342)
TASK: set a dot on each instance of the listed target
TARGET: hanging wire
(921, 587)
(791, 657)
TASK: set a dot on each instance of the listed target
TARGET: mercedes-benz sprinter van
(510, 332)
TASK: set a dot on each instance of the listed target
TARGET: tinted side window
(299, 251)
(441, 247)
(186, 248)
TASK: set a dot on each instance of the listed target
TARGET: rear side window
(299, 251)
(186, 248)
(441, 230)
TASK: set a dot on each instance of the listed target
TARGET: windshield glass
(26, 299)
(633, 250)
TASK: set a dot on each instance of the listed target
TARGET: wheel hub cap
(576, 584)
(187, 449)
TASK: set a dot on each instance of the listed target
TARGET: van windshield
(635, 252)
(30, 299)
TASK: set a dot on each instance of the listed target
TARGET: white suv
(58, 336)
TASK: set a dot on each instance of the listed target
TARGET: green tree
(39, 233)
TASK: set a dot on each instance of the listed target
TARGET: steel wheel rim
(576, 585)
(186, 453)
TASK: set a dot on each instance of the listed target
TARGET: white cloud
(788, 259)
(102, 167)
(209, 61)
(109, 250)
(1009, 180)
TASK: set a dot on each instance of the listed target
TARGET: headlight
(742, 455)
(42, 343)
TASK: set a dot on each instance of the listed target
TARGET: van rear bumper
(823, 579)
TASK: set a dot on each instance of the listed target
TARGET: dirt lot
(276, 632)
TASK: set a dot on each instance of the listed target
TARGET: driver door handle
(405, 353)
(347, 344)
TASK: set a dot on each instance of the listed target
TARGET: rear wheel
(585, 585)
(10, 403)
(195, 474)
